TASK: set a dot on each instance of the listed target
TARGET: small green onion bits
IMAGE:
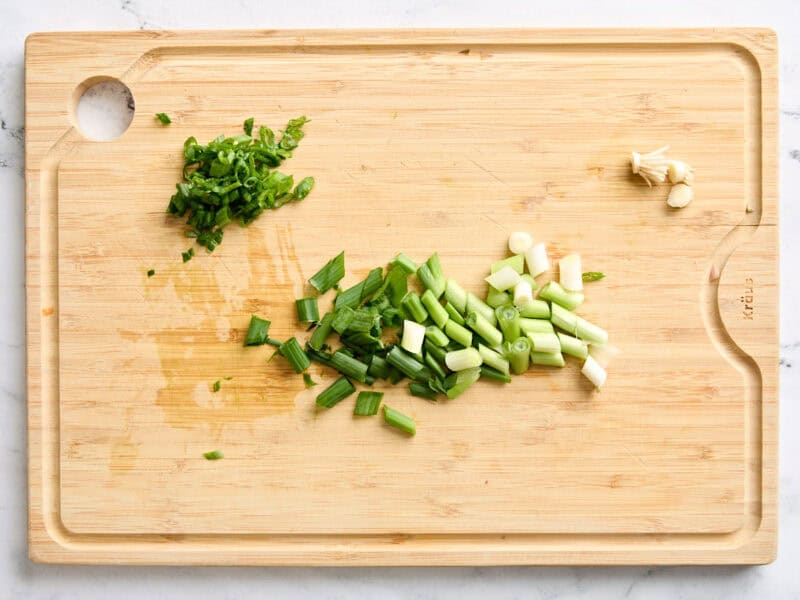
(213, 455)
(234, 179)
(592, 276)
(164, 118)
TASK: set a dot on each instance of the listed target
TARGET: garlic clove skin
(680, 195)
(652, 167)
(680, 172)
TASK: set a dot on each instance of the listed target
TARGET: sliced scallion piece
(329, 275)
(413, 307)
(547, 359)
(307, 310)
(483, 328)
(535, 326)
(436, 311)
(563, 318)
(452, 313)
(420, 390)
(594, 372)
(378, 367)
(164, 118)
(432, 276)
(187, 256)
(538, 309)
(467, 358)
(406, 364)
(308, 381)
(217, 384)
(573, 346)
(294, 353)
(495, 298)
(592, 276)
(405, 263)
(459, 382)
(475, 304)
(433, 350)
(436, 335)
(516, 262)
(413, 337)
(518, 354)
(590, 332)
(367, 403)
(488, 372)
(544, 342)
(322, 332)
(342, 317)
(456, 295)
(399, 420)
(508, 318)
(553, 292)
(435, 367)
(493, 359)
(213, 455)
(257, 332)
(335, 393)
(503, 279)
(349, 366)
(458, 333)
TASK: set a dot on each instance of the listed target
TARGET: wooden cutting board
(419, 141)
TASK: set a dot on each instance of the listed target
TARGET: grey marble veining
(21, 579)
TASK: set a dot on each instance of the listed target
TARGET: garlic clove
(680, 195)
(680, 172)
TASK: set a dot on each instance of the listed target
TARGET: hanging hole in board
(103, 108)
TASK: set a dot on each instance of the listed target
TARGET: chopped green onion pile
(443, 340)
(234, 179)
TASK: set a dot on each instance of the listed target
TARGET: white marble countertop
(20, 578)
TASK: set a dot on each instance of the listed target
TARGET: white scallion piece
(523, 293)
(504, 279)
(570, 274)
(520, 242)
(594, 372)
(604, 354)
(413, 337)
(467, 358)
(536, 259)
(651, 166)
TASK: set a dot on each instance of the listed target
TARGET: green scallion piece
(308, 381)
(378, 367)
(436, 351)
(257, 332)
(516, 262)
(435, 367)
(475, 304)
(564, 319)
(458, 333)
(495, 298)
(459, 382)
(493, 359)
(553, 292)
(353, 296)
(151, 272)
(335, 393)
(322, 332)
(465, 358)
(164, 118)
(518, 354)
(531, 281)
(413, 307)
(405, 263)
(395, 375)
(247, 126)
(573, 346)
(187, 256)
(436, 335)
(394, 286)
(349, 366)
(535, 326)
(367, 403)
(544, 342)
(399, 420)
(420, 390)
(538, 309)
(217, 384)
(405, 363)
(329, 275)
(455, 295)
(323, 358)
(362, 322)
(213, 455)
(508, 318)
(483, 328)
(547, 359)
(453, 313)
(432, 277)
(593, 276)
(307, 310)
(488, 372)
(294, 353)
(590, 332)
(342, 317)
(435, 310)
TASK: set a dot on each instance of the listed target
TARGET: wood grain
(417, 145)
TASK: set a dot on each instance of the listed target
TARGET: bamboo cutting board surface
(419, 141)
